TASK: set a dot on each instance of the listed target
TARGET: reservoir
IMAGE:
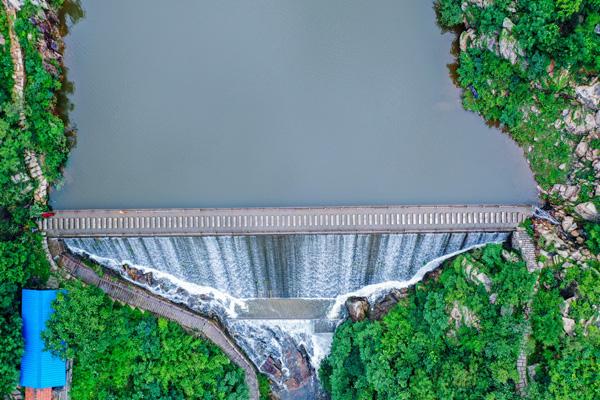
(235, 103)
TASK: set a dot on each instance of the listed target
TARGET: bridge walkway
(281, 221)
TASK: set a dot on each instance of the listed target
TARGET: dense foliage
(122, 353)
(22, 259)
(419, 351)
(450, 340)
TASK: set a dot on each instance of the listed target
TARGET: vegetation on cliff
(122, 353)
(458, 335)
(22, 259)
(526, 65)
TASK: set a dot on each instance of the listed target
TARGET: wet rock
(510, 256)
(588, 211)
(589, 95)
(301, 371)
(357, 307)
(138, 276)
(383, 306)
(272, 367)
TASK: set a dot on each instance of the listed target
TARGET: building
(40, 370)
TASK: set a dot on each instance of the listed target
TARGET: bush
(120, 353)
(419, 351)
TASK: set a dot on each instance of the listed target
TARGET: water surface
(227, 103)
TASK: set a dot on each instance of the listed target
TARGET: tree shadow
(69, 14)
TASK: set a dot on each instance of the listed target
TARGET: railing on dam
(281, 221)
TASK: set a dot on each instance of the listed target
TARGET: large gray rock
(567, 192)
(509, 47)
(580, 121)
(589, 95)
(588, 211)
(581, 149)
(568, 325)
(358, 308)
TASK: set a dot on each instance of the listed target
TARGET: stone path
(277, 221)
(141, 299)
(522, 241)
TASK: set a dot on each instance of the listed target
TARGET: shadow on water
(69, 14)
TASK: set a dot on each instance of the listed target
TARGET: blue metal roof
(39, 368)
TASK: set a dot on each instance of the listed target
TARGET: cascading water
(241, 279)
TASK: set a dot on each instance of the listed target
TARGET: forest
(458, 336)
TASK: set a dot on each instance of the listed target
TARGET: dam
(302, 131)
(277, 278)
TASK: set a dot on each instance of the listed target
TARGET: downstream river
(233, 103)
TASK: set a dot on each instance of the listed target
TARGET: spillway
(280, 297)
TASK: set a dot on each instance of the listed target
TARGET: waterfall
(232, 277)
(315, 266)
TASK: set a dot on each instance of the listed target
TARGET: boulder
(580, 121)
(509, 47)
(489, 42)
(568, 325)
(465, 38)
(589, 95)
(568, 224)
(2, 40)
(567, 192)
(581, 149)
(383, 306)
(357, 307)
(462, 314)
(476, 276)
(588, 211)
(478, 3)
(508, 24)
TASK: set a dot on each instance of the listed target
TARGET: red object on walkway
(48, 214)
(38, 394)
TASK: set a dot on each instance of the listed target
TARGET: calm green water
(226, 103)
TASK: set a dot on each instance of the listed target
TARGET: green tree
(123, 353)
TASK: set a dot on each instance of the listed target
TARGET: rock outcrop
(358, 308)
(589, 95)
